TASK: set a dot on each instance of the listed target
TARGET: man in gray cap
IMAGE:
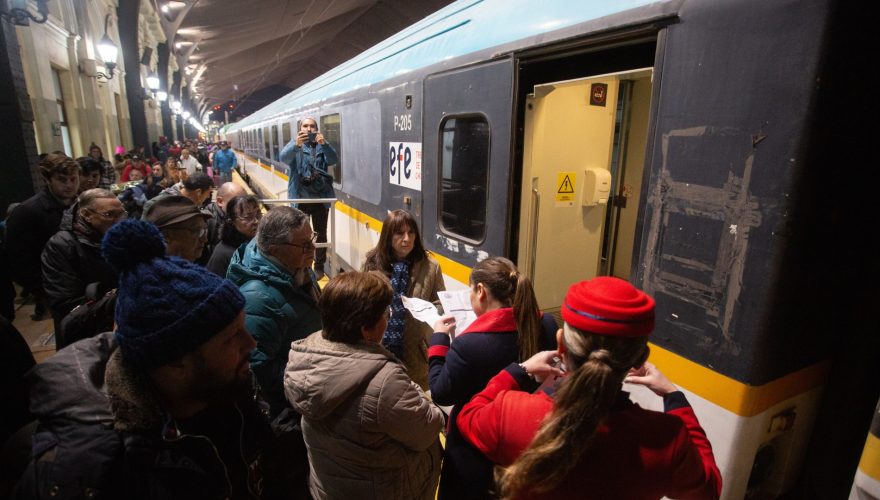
(184, 226)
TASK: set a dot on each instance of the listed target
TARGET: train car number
(402, 122)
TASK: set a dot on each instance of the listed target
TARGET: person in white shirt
(189, 163)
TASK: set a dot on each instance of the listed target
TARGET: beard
(218, 388)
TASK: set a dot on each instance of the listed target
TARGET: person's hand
(446, 324)
(649, 376)
(542, 365)
(301, 138)
(319, 138)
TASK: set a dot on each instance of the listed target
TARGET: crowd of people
(246, 379)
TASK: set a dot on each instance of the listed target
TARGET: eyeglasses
(110, 215)
(251, 218)
(310, 245)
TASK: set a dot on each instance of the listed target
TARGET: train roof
(461, 28)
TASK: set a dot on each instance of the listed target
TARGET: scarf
(393, 337)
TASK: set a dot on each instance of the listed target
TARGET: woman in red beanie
(584, 438)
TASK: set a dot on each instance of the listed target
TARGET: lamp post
(108, 51)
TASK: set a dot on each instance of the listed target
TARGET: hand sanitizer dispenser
(597, 186)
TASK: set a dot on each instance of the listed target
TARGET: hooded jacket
(277, 312)
(371, 432)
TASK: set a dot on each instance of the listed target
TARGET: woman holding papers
(509, 328)
(402, 258)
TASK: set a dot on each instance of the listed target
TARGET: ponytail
(528, 319)
(585, 398)
(511, 288)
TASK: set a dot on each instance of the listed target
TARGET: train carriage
(661, 142)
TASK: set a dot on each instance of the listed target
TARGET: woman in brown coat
(402, 258)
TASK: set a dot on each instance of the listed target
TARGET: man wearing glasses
(274, 273)
(72, 261)
(183, 225)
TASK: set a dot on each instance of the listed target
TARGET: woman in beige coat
(370, 431)
(402, 258)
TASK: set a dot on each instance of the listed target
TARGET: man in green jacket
(274, 273)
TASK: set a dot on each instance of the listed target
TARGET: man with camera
(309, 156)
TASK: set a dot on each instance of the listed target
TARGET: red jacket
(635, 453)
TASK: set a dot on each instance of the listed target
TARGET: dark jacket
(85, 449)
(277, 313)
(309, 162)
(71, 261)
(28, 228)
(456, 372)
(215, 226)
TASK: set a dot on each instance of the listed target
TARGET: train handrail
(331, 224)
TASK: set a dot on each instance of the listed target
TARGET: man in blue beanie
(165, 406)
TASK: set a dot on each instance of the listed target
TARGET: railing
(331, 224)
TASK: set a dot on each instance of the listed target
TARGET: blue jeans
(225, 176)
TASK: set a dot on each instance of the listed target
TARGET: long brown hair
(598, 365)
(513, 289)
(382, 257)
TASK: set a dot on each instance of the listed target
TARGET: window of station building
(329, 127)
(60, 127)
(464, 160)
(275, 142)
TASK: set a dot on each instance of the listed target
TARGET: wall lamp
(108, 51)
(16, 12)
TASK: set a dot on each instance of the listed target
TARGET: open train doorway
(583, 161)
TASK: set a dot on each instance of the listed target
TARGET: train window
(464, 175)
(267, 142)
(275, 142)
(285, 134)
(329, 128)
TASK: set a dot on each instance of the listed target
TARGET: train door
(583, 158)
(466, 169)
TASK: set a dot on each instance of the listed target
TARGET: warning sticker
(566, 182)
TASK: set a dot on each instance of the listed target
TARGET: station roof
(232, 49)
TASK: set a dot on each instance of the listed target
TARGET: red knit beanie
(609, 306)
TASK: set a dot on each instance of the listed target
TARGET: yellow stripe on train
(732, 395)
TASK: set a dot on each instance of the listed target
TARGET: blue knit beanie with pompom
(166, 306)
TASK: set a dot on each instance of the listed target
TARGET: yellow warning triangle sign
(565, 186)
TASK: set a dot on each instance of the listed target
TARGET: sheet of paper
(421, 310)
(458, 304)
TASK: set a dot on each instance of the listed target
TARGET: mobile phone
(312, 136)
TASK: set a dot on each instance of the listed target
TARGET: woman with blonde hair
(400, 256)
(509, 327)
(584, 438)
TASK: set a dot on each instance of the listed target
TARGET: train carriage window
(275, 142)
(267, 142)
(329, 128)
(464, 161)
(285, 134)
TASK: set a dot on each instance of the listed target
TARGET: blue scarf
(393, 337)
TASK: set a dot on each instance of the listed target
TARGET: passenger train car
(672, 143)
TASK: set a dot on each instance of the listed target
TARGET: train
(681, 145)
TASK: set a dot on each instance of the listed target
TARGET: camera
(312, 136)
